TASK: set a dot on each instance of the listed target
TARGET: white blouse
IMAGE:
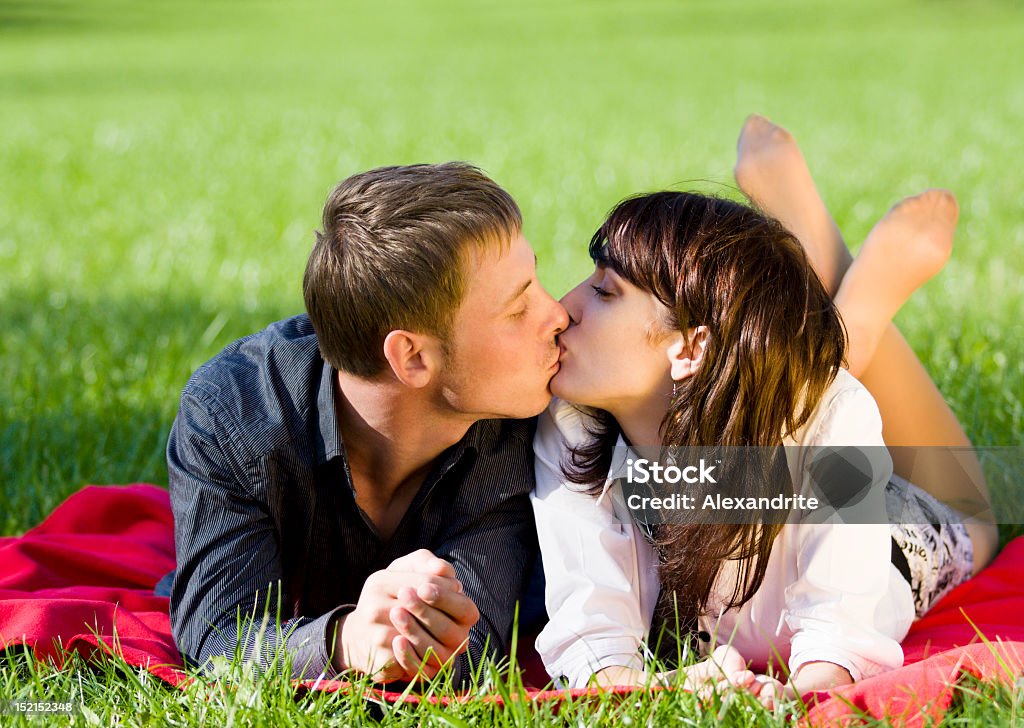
(830, 592)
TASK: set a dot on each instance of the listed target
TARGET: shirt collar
(620, 453)
(479, 437)
(328, 442)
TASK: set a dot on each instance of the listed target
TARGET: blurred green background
(163, 165)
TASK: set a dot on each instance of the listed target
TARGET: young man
(364, 471)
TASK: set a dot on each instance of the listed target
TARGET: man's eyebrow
(519, 291)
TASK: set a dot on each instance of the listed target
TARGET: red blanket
(90, 567)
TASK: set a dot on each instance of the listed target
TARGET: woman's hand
(811, 677)
(770, 692)
(724, 669)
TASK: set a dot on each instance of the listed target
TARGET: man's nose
(558, 318)
(561, 317)
(569, 302)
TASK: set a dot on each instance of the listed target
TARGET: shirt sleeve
(227, 592)
(841, 605)
(596, 566)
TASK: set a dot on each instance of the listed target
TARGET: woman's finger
(769, 694)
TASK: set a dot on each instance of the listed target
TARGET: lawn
(163, 166)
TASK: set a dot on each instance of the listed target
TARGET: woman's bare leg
(909, 245)
(772, 172)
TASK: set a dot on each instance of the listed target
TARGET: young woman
(705, 324)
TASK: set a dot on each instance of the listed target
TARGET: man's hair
(390, 256)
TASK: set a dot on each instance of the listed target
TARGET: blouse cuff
(576, 665)
(814, 648)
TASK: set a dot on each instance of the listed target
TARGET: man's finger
(429, 652)
(392, 671)
(456, 605)
(423, 562)
(410, 662)
(441, 627)
(391, 581)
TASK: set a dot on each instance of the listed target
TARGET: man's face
(502, 348)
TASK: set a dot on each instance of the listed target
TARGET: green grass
(105, 692)
(163, 164)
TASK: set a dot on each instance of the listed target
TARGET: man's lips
(558, 358)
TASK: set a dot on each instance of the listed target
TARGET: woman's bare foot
(909, 245)
(771, 171)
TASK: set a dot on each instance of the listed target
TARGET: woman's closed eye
(601, 292)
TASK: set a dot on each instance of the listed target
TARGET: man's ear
(686, 353)
(414, 358)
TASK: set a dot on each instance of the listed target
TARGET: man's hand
(411, 618)
(433, 620)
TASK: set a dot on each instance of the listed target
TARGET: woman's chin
(560, 385)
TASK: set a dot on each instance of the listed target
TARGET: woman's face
(614, 354)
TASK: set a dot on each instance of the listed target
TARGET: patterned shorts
(930, 544)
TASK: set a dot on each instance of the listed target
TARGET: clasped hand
(411, 619)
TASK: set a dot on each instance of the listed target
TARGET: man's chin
(542, 404)
(524, 409)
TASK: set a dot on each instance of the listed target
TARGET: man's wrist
(335, 637)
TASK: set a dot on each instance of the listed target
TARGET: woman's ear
(413, 358)
(686, 353)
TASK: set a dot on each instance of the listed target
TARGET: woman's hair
(776, 343)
